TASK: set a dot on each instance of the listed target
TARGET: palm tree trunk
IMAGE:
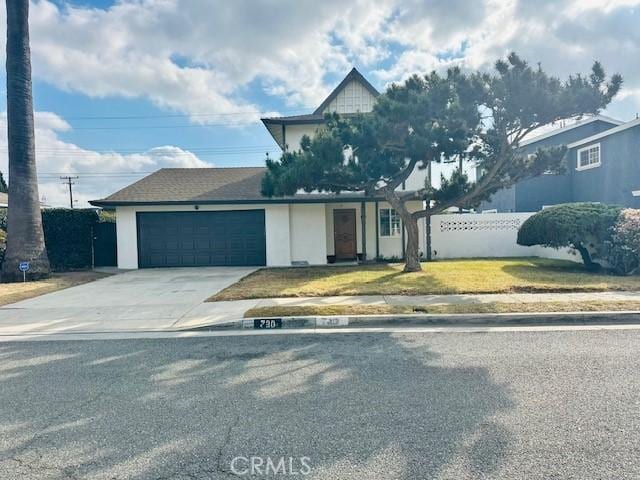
(25, 237)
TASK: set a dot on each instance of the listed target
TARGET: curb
(428, 320)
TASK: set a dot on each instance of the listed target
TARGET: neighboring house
(4, 200)
(217, 216)
(595, 178)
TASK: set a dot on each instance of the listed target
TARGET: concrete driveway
(154, 299)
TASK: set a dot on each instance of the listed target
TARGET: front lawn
(491, 307)
(441, 277)
(15, 292)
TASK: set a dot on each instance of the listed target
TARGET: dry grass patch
(15, 292)
(496, 307)
(441, 277)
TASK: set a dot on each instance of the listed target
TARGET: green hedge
(587, 227)
(67, 234)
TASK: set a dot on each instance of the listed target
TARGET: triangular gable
(353, 94)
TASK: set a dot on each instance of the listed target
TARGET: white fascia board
(606, 133)
(580, 123)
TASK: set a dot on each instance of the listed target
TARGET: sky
(124, 88)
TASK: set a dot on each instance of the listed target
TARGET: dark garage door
(183, 239)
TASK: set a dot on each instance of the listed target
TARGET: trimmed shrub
(587, 227)
(67, 234)
(624, 247)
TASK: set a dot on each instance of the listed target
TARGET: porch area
(355, 231)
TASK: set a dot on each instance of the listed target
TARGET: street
(351, 406)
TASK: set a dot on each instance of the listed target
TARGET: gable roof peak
(354, 74)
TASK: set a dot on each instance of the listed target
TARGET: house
(602, 165)
(217, 216)
(353, 95)
(4, 200)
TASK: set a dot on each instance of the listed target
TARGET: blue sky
(127, 87)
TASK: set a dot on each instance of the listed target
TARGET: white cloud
(101, 173)
(200, 56)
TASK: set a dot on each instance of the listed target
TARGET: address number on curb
(267, 323)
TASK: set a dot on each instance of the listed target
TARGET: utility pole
(68, 180)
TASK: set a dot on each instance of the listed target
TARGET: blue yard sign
(24, 267)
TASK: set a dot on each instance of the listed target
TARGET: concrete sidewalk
(216, 313)
(169, 300)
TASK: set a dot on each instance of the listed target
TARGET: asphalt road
(358, 406)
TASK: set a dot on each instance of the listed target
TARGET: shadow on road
(383, 406)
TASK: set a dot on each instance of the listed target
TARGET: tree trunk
(586, 258)
(25, 237)
(412, 251)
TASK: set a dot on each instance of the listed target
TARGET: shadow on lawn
(383, 406)
(566, 277)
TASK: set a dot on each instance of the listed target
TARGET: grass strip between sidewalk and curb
(495, 307)
(475, 276)
(16, 292)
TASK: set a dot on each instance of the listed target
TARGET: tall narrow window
(390, 225)
(589, 157)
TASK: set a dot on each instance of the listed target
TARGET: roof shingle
(208, 185)
(193, 185)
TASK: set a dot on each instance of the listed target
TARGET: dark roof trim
(354, 74)
(299, 120)
(275, 201)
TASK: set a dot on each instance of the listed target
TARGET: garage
(202, 238)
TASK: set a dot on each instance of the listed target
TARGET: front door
(344, 233)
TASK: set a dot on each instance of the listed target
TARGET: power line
(213, 148)
(182, 115)
(91, 153)
(156, 127)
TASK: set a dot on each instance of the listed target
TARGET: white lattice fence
(484, 235)
(480, 224)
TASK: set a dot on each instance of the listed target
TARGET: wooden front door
(344, 234)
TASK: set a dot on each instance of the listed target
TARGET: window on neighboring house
(588, 157)
(389, 223)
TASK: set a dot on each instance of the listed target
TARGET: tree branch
(402, 176)
(478, 188)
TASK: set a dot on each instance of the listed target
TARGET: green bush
(587, 227)
(67, 235)
(3, 245)
(624, 248)
(107, 216)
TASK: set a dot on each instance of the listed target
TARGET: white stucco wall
(485, 235)
(294, 133)
(416, 180)
(276, 229)
(308, 232)
(127, 237)
(278, 235)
